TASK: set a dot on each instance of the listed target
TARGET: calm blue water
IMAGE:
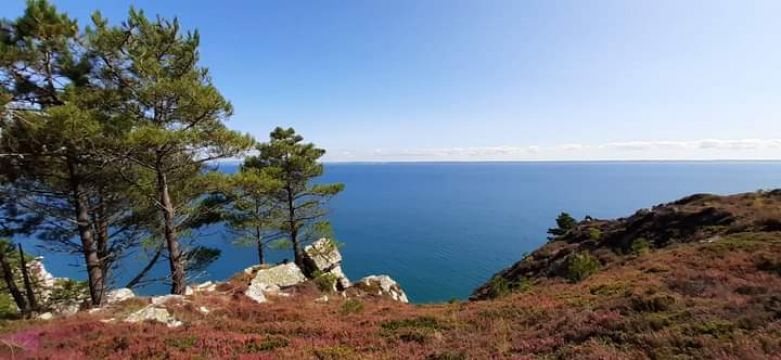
(441, 229)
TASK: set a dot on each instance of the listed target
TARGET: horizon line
(529, 161)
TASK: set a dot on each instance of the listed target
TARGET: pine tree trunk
(28, 285)
(259, 241)
(298, 253)
(94, 268)
(175, 259)
(101, 229)
(8, 276)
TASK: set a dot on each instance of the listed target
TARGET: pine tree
(46, 138)
(294, 165)
(177, 115)
(249, 210)
(564, 223)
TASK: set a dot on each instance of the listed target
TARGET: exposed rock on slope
(272, 280)
(325, 259)
(379, 285)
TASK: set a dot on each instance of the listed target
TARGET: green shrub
(639, 246)
(351, 306)
(524, 285)
(8, 308)
(564, 223)
(594, 234)
(581, 266)
(325, 282)
(68, 290)
(498, 287)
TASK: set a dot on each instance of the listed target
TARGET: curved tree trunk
(94, 266)
(8, 277)
(175, 259)
(28, 285)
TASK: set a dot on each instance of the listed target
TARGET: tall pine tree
(294, 165)
(177, 114)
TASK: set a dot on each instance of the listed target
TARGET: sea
(442, 229)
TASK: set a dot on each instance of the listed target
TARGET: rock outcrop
(272, 280)
(379, 285)
(43, 279)
(119, 295)
(156, 314)
(164, 299)
(324, 258)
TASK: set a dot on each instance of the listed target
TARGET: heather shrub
(182, 343)
(426, 322)
(267, 344)
(447, 355)
(351, 306)
(715, 328)
(609, 289)
(335, 353)
(420, 336)
(581, 266)
(769, 265)
(656, 303)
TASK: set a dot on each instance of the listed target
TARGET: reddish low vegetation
(703, 281)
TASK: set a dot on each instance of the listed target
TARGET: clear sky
(387, 80)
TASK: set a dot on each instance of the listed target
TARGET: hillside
(696, 278)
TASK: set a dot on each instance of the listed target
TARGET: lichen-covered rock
(153, 313)
(206, 287)
(380, 285)
(342, 282)
(162, 300)
(272, 280)
(281, 275)
(256, 292)
(118, 295)
(323, 254)
(324, 258)
(66, 307)
(43, 279)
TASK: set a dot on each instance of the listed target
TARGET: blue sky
(493, 80)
